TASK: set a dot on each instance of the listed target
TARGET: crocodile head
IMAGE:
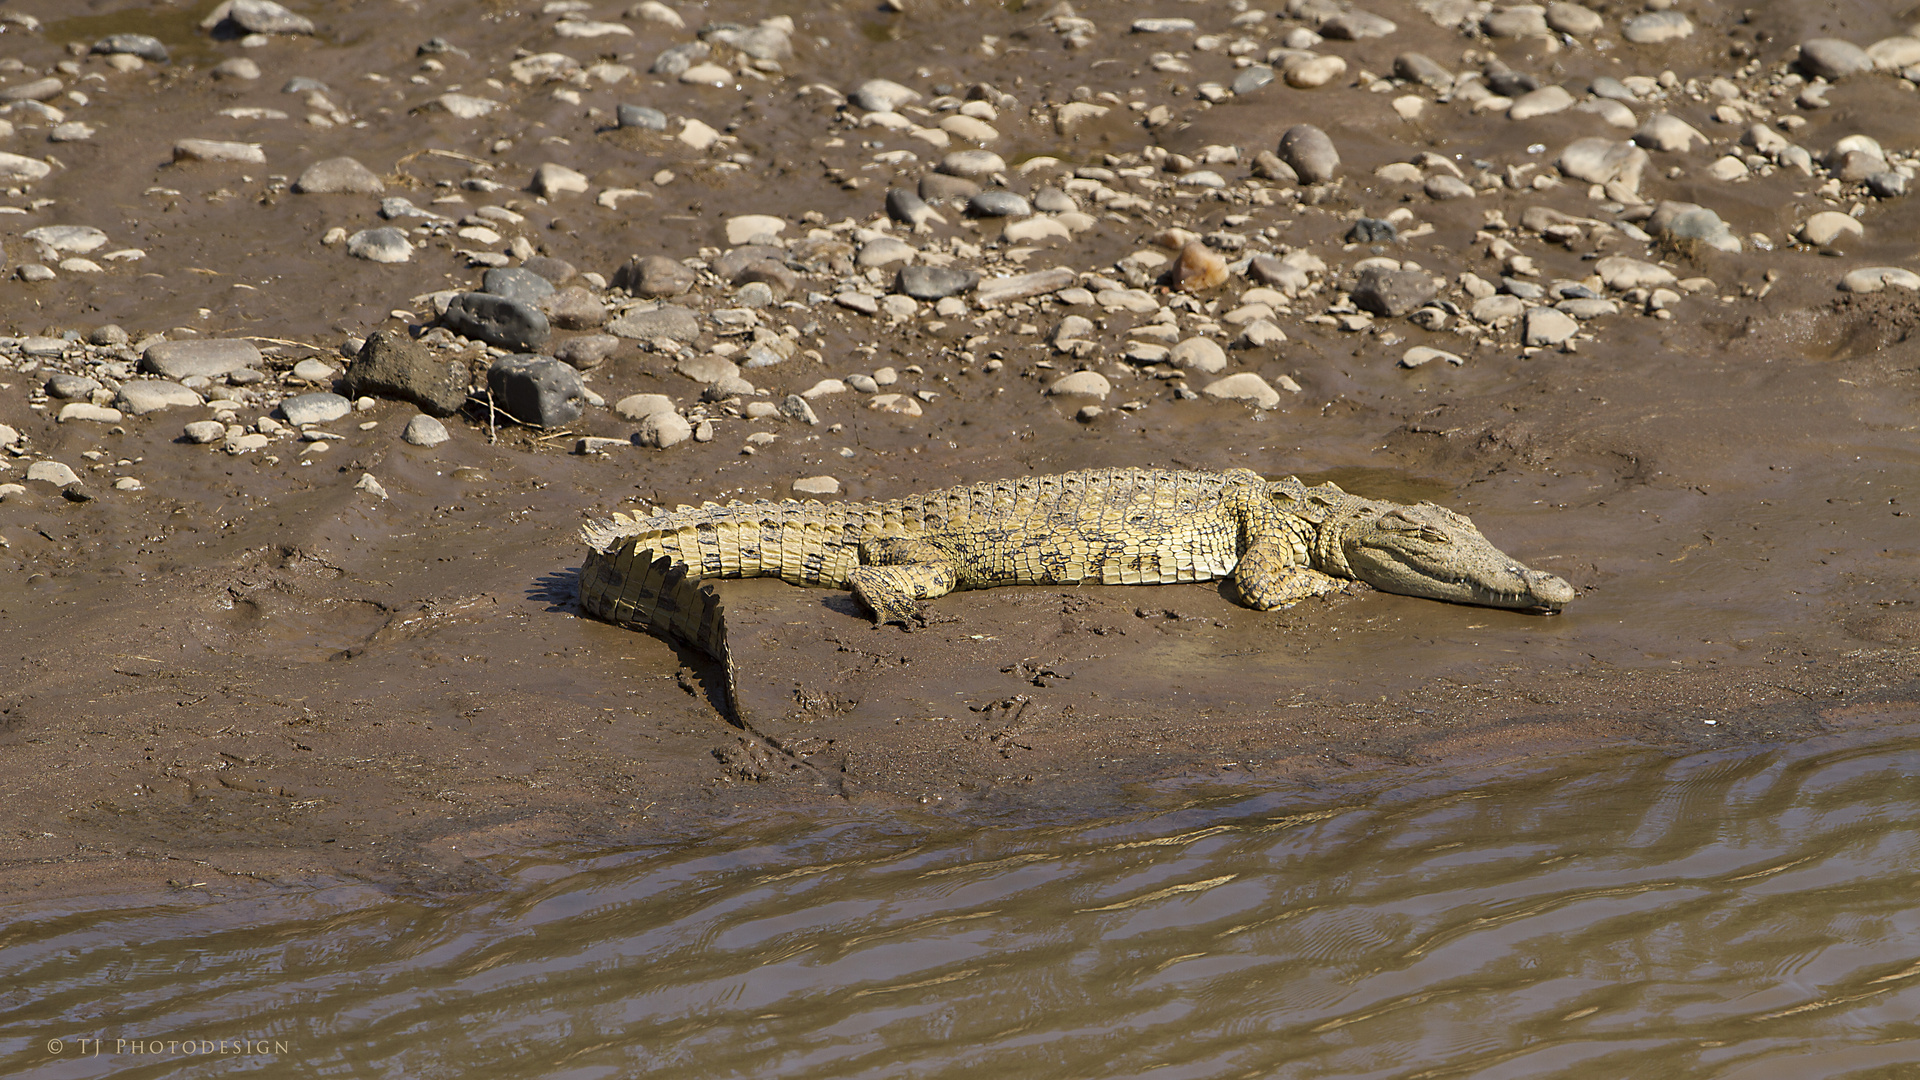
(1427, 550)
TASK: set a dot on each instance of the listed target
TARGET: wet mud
(251, 669)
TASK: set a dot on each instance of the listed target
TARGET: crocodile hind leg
(898, 576)
(1270, 575)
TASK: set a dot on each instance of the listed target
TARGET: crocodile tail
(632, 586)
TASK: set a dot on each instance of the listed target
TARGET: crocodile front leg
(898, 576)
(1271, 575)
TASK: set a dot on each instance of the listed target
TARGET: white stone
(1545, 326)
(52, 472)
(698, 135)
(424, 430)
(1081, 383)
(1829, 225)
(1620, 273)
(1542, 102)
(1246, 386)
(1665, 131)
(663, 429)
(1035, 230)
(1422, 354)
(1872, 279)
(744, 228)
(86, 410)
(641, 406)
(816, 485)
(1199, 354)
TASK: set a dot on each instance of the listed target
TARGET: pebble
(881, 95)
(1518, 21)
(994, 291)
(1037, 230)
(1261, 333)
(205, 431)
(794, 407)
(1688, 221)
(536, 390)
(1895, 53)
(19, 167)
(1251, 79)
(1621, 272)
(1599, 161)
(144, 46)
(666, 321)
(934, 282)
(314, 371)
(1446, 188)
(1542, 102)
(641, 406)
(1546, 326)
(71, 131)
(1420, 68)
(1833, 59)
(998, 203)
(392, 365)
(587, 351)
(707, 74)
(1310, 153)
(641, 116)
(1872, 279)
(1308, 72)
(752, 228)
(371, 486)
(910, 209)
(551, 179)
(498, 321)
(210, 358)
(239, 67)
(1163, 26)
(1393, 292)
(385, 244)
(663, 429)
(1354, 24)
(1081, 384)
(1199, 354)
(142, 396)
(320, 408)
(86, 410)
(970, 128)
(860, 302)
(654, 276)
(882, 251)
(1664, 131)
(1656, 27)
(1422, 354)
(972, 164)
(675, 61)
(67, 386)
(52, 472)
(1574, 19)
(516, 283)
(214, 150)
(1246, 386)
(1828, 226)
(258, 17)
(71, 239)
(816, 485)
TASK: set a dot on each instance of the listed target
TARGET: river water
(1745, 914)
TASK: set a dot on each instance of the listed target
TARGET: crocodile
(1278, 542)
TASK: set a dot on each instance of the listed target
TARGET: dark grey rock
(934, 282)
(537, 390)
(938, 187)
(394, 366)
(144, 46)
(1311, 154)
(516, 283)
(1252, 78)
(1525, 290)
(588, 350)
(1393, 292)
(497, 320)
(907, 208)
(211, 358)
(998, 203)
(322, 408)
(641, 116)
(68, 387)
(1423, 69)
(666, 321)
(1887, 185)
(653, 276)
(1510, 83)
(678, 59)
(557, 271)
(1368, 230)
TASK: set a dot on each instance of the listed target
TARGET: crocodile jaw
(1432, 552)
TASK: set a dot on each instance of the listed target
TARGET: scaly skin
(1279, 542)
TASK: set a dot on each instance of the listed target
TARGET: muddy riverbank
(247, 664)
